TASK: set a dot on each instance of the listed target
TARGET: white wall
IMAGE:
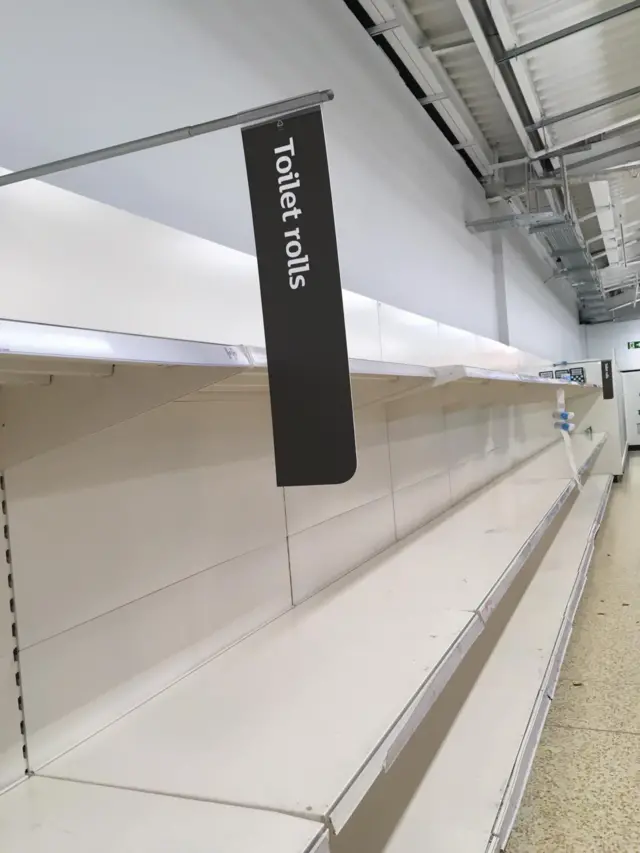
(608, 339)
(401, 194)
(72, 261)
(540, 320)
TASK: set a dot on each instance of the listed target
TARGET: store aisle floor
(584, 792)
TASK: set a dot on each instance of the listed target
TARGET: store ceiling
(529, 81)
(468, 61)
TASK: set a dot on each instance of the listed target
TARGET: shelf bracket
(13, 621)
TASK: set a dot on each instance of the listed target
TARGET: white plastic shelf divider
(303, 715)
(51, 816)
(467, 801)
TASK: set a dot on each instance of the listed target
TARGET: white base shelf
(50, 816)
(305, 714)
(468, 799)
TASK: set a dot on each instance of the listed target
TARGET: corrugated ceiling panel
(580, 68)
(469, 75)
(534, 19)
(442, 24)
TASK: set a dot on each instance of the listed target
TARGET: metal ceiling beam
(604, 254)
(594, 214)
(420, 53)
(517, 220)
(475, 28)
(607, 237)
(433, 99)
(568, 271)
(501, 13)
(591, 138)
(631, 146)
(442, 47)
(625, 304)
(384, 27)
(550, 38)
(556, 180)
(586, 108)
(397, 33)
(406, 17)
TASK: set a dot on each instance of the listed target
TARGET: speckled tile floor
(583, 795)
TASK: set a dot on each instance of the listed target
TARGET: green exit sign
(633, 344)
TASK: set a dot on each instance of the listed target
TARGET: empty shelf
(303, 715)
(50, 816)
(465, 379)
(37, 350)
(467, 800)
(30, 341)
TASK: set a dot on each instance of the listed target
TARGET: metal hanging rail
(264, 113)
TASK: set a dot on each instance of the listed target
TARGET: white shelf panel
(38, 351)
(305, 714)
(52, 342)
(474, 784)
(358, 366)
(51, 816)
(463, 375)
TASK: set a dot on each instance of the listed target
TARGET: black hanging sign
(309, 382)
(607, 380)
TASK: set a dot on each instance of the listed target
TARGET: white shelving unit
(51, 816)
(79, 381)
(281, 736)
(305, 714)
(467, 799)
(34, 353)
(170, 685)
